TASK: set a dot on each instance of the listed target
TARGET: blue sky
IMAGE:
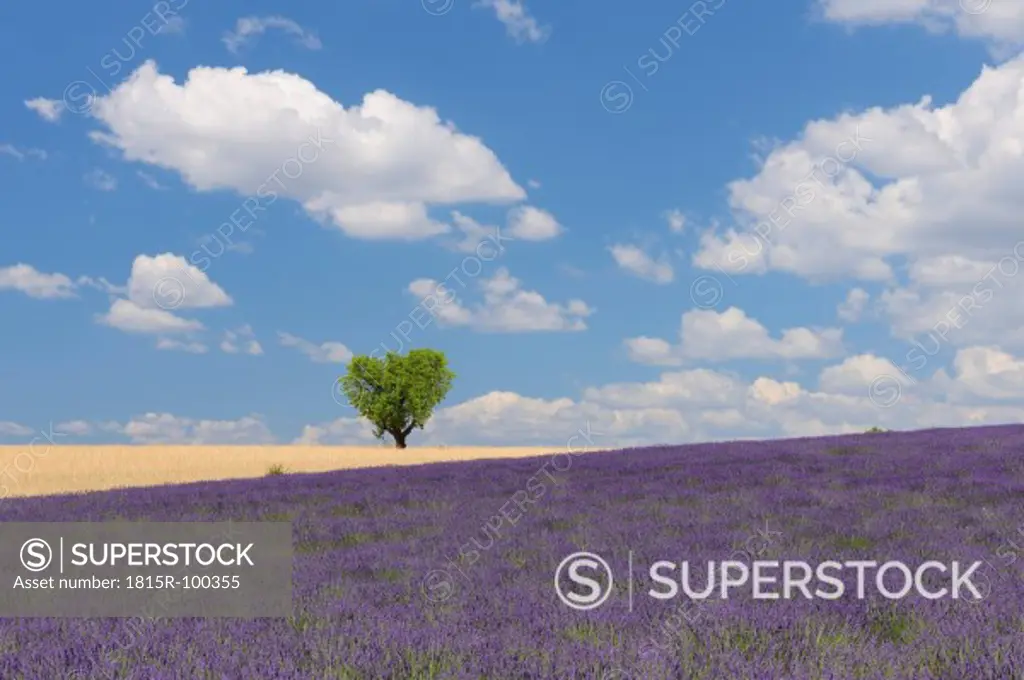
(721, 220)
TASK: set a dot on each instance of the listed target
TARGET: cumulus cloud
(247, 29)
(942, 168)
(528, 223)
(382, 221)
(653, 351)
(933, 192)
(28, 280)
(126, 315)
(772, 392)
(506, 307)
(983, 373)
(721, 336)
(371, 169)
(959, 301)
(856, 374)
(168, 281)
(675, 389)
(525, 223)
(852, 308)
(156, 286)
(473, 233)
(165, 428)
(329, 352)
(634, 260)
(999, 22)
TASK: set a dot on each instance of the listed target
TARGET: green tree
(397, 393)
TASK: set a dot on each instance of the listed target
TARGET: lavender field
(408, 573)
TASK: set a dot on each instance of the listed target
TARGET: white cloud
(100, 180)
(506, 307)
(921, 182)
(772, 392)
(168, 281)
(371, 169)
(353, 431)
(856, 373)
(943, 270)
(241, 340)
(48, 109)
(676, 220)
(533, 184)
(934, 192)
(1001, 22)
(532, 224)
(980, 375)
(128, 316)
(248, 29)
(22, 154)
(518, 21)
(653, 351)
(732, 253)
(473, 233)
(853, 306)
(677, 389)
(382, 221)
(9, 429)
(707, 334)
(712, 336)
(173, 345)
(959, 301)
(100, 284)
(441, 302)
(165, 428)
(326, 352)
(634, 260)
(78, 428)
(983, 373)
(158, 284)
(26, 279)
(525, 223)
(801, 412)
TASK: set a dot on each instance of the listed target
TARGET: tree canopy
(397, 393)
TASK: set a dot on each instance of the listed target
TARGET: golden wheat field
(43, 470)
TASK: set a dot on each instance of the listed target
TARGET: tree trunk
(399, 437)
